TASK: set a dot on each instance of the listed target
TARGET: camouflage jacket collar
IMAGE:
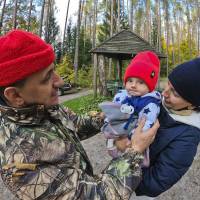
(32, 115)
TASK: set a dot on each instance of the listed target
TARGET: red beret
(22, 54)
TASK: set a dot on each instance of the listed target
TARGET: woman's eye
(176, 94)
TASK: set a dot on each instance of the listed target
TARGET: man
(41, 156)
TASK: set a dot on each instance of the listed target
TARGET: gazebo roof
(124, 45)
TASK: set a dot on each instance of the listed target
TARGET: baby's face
(136, 87)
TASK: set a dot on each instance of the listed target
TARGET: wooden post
(120, 70)
(102, 75)
(95, 63)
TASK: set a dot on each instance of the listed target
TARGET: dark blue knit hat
(185, 79)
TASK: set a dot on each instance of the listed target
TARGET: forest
(171, 26)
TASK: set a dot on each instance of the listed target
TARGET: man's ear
(13, 97)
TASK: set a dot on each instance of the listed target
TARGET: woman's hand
(141, 140)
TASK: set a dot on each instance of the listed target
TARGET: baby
(139, 99)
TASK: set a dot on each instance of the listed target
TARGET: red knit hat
(22, 54)
(146, 66)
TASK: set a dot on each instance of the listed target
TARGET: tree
(76, 57)
(166, 8)
(118, 15)
(15, 15)
(50, 25)
(29, 15)
(41, 18)
(94, 57)
(131, 14)
(65, 28)
(2, 15)
(147, 30)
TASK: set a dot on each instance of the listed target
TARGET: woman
(177, 139)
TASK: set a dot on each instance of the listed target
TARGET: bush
(66, 69)
(85, 77)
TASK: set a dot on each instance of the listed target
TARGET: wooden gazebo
(122, 46)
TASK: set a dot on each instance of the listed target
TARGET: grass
(85, 104)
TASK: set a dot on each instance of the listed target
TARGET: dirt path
(66, 97)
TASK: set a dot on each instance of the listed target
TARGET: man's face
(136, 87)
(172, 99)
(41, 88)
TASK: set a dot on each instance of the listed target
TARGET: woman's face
(173, 100)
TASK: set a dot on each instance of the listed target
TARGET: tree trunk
(29, 15)
(76, 56)
(95, 61)
(111, 34)
(118, 15)
(189, 27)
(41, 18)
(102, 75)
(173, 45)
(158, 17)
(148, 21)
(131, 14)
(15, 15)
(65, 28)
(94, 58)
(123, 9)
(2, 15)
(48, 12)
(166, 7)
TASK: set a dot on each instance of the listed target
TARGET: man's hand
(100, 115)
(141, 140)
(122, 143)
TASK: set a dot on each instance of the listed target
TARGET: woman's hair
(197, 109)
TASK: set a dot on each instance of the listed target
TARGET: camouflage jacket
(41, 157)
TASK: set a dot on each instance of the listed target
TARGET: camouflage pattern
(41, 157)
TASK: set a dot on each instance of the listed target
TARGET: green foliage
(184, 54)
(85, 104)
(139, 16)
(85, 77)
(85, 47)
(70, 40)
(52, 30)
(65, 69)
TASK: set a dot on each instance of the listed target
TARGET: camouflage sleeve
(46, 181)
(86, 125)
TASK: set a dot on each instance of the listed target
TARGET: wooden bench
(113, 86)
